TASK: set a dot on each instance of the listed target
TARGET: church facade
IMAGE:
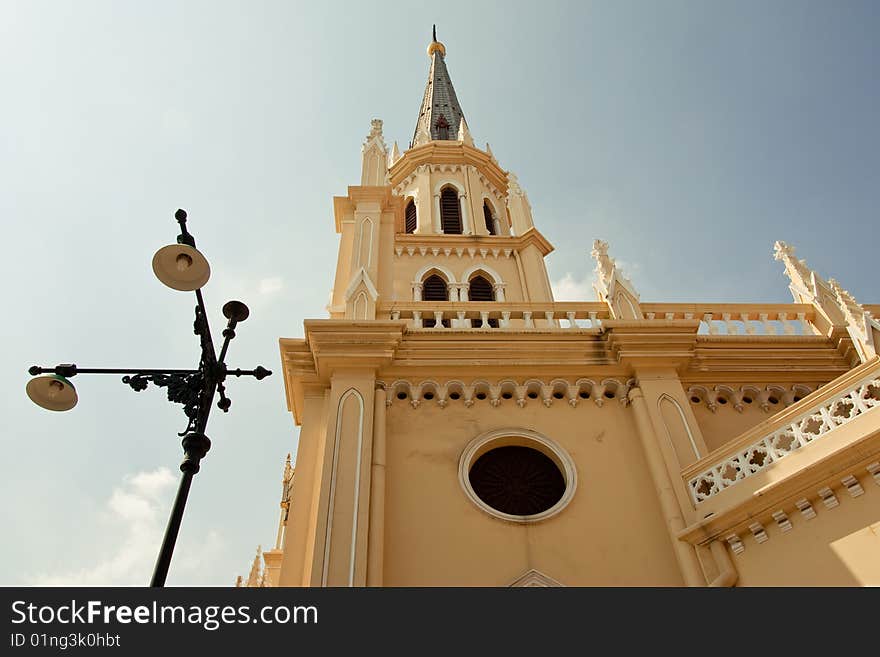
(461, 428)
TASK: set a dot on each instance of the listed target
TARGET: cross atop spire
(440, 116)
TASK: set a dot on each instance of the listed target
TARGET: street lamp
(181, 267)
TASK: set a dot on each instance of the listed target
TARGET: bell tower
(425, 224)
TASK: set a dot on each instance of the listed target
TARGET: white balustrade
(789, 320)
(809, 426)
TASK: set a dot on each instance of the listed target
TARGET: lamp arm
(69, 370)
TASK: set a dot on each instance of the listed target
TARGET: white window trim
(484, 443)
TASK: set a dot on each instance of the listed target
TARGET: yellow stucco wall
(725, 423)
(611, 533)
(839, 547)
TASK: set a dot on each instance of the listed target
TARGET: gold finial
(435, 45)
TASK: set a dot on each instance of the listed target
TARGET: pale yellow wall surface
(839, 547)
(725, 423)
(300, 541)
(610, 534)
(385, 282)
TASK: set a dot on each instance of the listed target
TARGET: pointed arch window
(487, 216)
(410, 217)
(442, 126)
(480, 289)
(434, 288)
(450, 211)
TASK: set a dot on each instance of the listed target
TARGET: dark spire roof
(440, 115)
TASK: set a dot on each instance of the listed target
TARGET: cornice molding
(616, 349)
(331, 345)
(449, 152)
(498, 242)
(666, 343)
(343, 344)
(346, 205)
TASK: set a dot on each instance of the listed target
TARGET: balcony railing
(715, 319)
(799, 425)
(739, 318)
(476, 314)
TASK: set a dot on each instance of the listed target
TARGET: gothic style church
(460, 427)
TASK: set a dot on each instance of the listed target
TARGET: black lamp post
(181, 267)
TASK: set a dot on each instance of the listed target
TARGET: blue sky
(690, 135)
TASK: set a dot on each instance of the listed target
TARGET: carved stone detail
(806, 509)
(510, 391)
(782, 521)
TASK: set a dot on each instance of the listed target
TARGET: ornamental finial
(435, 46)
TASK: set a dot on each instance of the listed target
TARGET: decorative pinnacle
(434, 32)
(781, 250)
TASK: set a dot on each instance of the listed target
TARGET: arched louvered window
(450, 211)
(487, 215)
(410, 217)
(481, 290)
(434, 289)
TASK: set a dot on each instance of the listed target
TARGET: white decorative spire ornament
(834, 306)
(464, 135)
(374, 166)
(612, 286)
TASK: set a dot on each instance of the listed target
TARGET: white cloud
(134, 524)
(569, 289)
(629, 269)
(271, 285)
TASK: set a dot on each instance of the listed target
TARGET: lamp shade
(52, 392)
(181, 267)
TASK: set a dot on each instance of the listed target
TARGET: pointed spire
(374, 156)
(253, 579)
(464, 135)
(440, 116)
(604, 268)
(834, 305)
(612, 286)
(805, 282)
(288, 470)
(513, 182)
(394, 156)
(286, 482)
(856, 315)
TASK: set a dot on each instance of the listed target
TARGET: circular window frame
(521, 438)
